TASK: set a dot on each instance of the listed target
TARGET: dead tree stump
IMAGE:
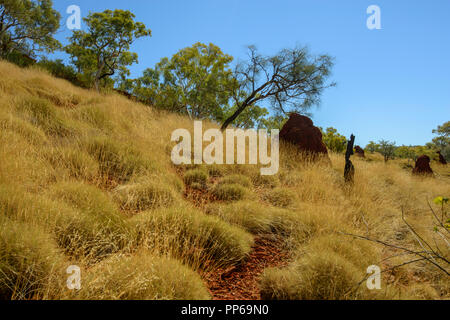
(349, 172)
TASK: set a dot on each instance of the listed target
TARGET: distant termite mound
(359, 152)
(300, 131)
(423, 166)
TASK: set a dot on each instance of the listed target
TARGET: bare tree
(290, 81)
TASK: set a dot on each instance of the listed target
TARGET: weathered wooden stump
(349, 172)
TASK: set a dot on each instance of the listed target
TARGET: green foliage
(273, 122)
(196, 81)
(372, 147)
(413, 152)
(103, 49)
(441, 200)
(387, 149)
(28, 26)
(442, 141)
(58, 69)
(290, 81)
(334, 141)
(252, 117)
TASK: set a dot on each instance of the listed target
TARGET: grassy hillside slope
(86, 179)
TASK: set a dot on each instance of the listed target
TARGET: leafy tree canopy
(196, 81)
(333, 140)
(442, 141)
(28, 26)
(103, 49)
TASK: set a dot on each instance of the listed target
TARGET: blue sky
(392, 83)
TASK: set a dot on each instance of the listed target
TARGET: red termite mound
(423, 166)
(359, 152)
(300, 131)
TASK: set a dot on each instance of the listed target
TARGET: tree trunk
(233, 117)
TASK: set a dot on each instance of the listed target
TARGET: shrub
(192, 236)
(30, 264)
(144, 195)
(142, 277)
(280, 197)
(237, 179)
(197, 176)
(229, 192)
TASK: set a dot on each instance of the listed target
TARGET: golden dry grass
(86, 179)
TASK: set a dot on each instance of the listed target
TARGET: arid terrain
(86, 180)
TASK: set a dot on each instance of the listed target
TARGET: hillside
(86, 179)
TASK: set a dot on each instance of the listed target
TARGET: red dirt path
(241, 282)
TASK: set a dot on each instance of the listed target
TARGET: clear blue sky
(393, 83)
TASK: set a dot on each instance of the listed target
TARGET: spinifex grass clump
(191, 236)
(118, 161)
(41, 113)
(31, 265)
(237, 179)
(142, 276)
(145, 194)
(76, 162)
(331, 269)
(280, 197)
(229, 192)
(256, 217)
(96, 229)
(196, 177)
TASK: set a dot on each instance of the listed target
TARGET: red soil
(242, 282)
